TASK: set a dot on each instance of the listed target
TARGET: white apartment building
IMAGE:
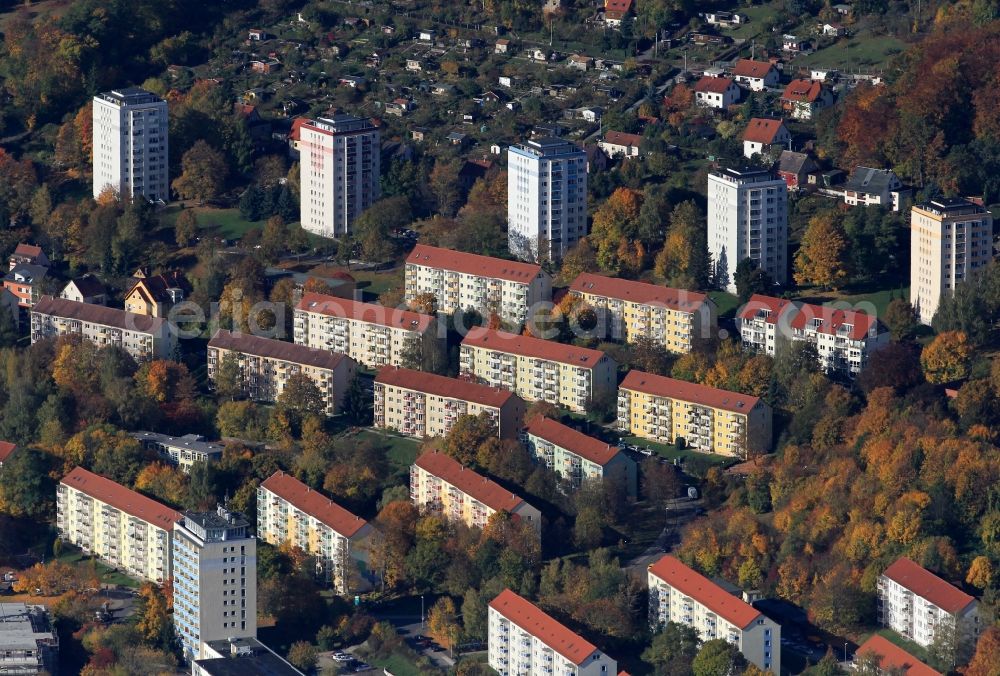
(914, 602)
(950, 239)
(679, 594)
(368, 333)
(627, 310)
(440, 484)
(123, 528)
(143, 337)
(183, 451)
(241, 657)
(577, 457)
(339, 164)
(524, 640)
(748, 218)
(29, 644)
(421, 404)
(215, 580)
(546, 198)
(289, 512)
(844, 339)
(538, 369)
(461, 281)
(130, 144)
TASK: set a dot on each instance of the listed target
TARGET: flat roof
(130, 96)
(193, 442)
(22, 626)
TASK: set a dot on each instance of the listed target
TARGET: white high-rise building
(215, 580)
(130, 144)
(339, 163)
(546, 198)
(747, 218)
(950, 239)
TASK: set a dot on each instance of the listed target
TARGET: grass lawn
(726, 302)
(402, 450)
(860, 50)
(226, 223)
(909, 646)
(397, 665)
(105, 573)
(373, 283)
(669, 451)
(874, 302)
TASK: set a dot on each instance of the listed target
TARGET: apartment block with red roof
(524, 640)
(844, 339)
(371, 334)
(461, 281)
(123, 528)
(627, 310)
(755, 75)
(421, 404)
(916, 603)
(441, 484)
(893, 659)
(679, 594)
(538, 369)
(716, 92)
(291, 513)
(705, 418)
(576, 456)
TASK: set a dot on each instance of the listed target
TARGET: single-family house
(442, 89)
(265, 66)
(579, 62)
(843, 9)
(616, 11)
(592, 113)
(456, 138)
(25, 282)
(427, 35)
(258, 35)
(86, 289)
(874, 187)
(27, 253)
(502, 46)
(797, 169)
(388, 29)
(414, 65)
(792, 43)
(725, 19)
(833, 29)
(763, 134)
(353, 81)
(755, 75)
(538, 55)
(505, 81)
(716, 92)
(398, 107)
(154, 296)
(803, 98)
(418, 133)
(823, 74)
(617, 143)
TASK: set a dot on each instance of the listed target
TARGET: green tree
(303, 655)
(302, 396)
(673, 650)
(718, 657)
(25, 487)
(750, 279)
(357, 405)
(185, 227)
(204, 171)
(901, 318)
(229, 377)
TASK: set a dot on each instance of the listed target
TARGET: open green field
(374, 283)
(106, 574)
(670, 452)
(226, 223)
(858, 51)
(402, 450)
(726, 302)
(397, 665)
(873, 302)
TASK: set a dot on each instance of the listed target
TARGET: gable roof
(98, 314)
(868, 180)
(121, 498)
(88, 286)
(795, 163)
(620, 138)
(473, 264)
(155, 287)
(32, 273)
(926, 584)
(833, 320)
(442, 386)
(6, 448)
(622, 6)
(803, 91)
(373, 313)
(894, 657)
(767, 308)
(763, 130)
(30, 250)
(713, 85)
(275, 349)
(314, 504)
(638, 292)
(755, 69)
(473, 484)
(529, 346)
(662, 386)
(731, 608)
(587, 447)
(542, 626)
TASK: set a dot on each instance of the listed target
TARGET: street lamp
(422, 613)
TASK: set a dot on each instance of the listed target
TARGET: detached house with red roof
(802, 99)
(755, 75)
(577, 457)
(441, 484)
(538, 369)
(696, 416)
(763, 134)
(6, 450)
(716, 92)
(526, 641)
(291, 513)
(892, 658)
(27, 254)
(914, 602)
(123, 528)
(617, 143)
(679, 594)
(616, 11)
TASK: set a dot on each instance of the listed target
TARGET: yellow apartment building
(538, 369)
(576, 456)
(706, 418)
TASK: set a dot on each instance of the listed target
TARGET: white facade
(679, 594)
(215, 580)
(748, 218)
(546, 198)
(339, 164)
(130, 144)
(950, 240)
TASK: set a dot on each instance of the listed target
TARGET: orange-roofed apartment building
(421, 404)
(716, 92)
(538, 369)
(523, 640)
(914, 602)
(679, 594)
(124, 529)
(464, 281)
(577, 457)
(764, 134)
(755, 75)
(627, 310)
(371, 334)
(291, 513)
(706, 418)
(893, 659)
(844, 339)
(441, 484)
